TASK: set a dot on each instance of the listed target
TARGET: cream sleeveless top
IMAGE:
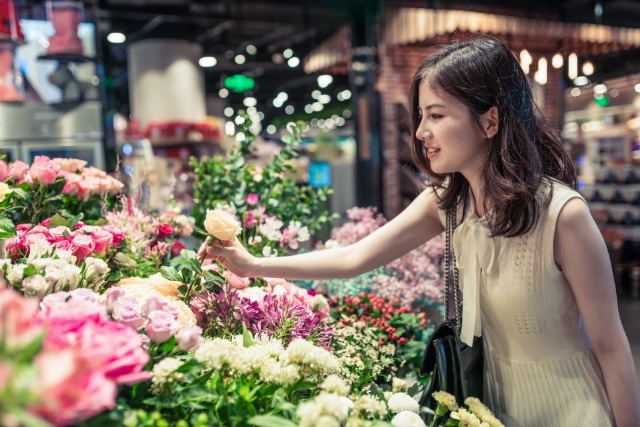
(539, 369)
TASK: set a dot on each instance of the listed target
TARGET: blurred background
(138, 87)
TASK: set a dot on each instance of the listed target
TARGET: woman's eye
(435, 116)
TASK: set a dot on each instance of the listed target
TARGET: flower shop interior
(124, 124)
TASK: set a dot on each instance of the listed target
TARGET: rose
(161, 326)
(4, 170)
(43, 170)
(165, 230)
(102, 240)
(4, 190)
(70, 388)
(18, 170)
(176, 247)
(222, 225)
(189, 337)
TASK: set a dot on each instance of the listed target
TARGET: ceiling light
(289, 109)
(637, 87)
(541, 75)
(223, 93)
(250, 101)
(575, 92)
(600, 88)
(116, 38)
(572, 71)
(525, 60)
(207, 61)
(581, 81)
(240, 59)
(287, 53)
(229, 112)
(293, 62)
(557, 61)
(587, 68)
(324, 80)
(271, 129)
(251, 49)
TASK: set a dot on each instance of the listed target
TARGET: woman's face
(451, 137)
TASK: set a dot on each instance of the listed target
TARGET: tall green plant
(246, 187)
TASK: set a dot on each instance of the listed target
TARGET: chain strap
(449, 264)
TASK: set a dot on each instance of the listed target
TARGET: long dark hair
(480, 73)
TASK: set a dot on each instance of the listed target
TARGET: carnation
(407, 419)
(400, 402)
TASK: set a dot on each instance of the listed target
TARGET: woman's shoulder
(557, 194)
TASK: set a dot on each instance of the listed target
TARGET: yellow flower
(466, 418)
(4, 190)
(446, 399)
(222, 225)
(484, 413)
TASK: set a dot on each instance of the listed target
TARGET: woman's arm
(418, 223)
(582, 255)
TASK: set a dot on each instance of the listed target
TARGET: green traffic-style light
(601, 101)
(239, 83)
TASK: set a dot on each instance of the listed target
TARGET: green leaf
(7, 227)
(58, 221)
(270, 421)
(30, 270)
(247, 341)
(170, 273)
(27, 419)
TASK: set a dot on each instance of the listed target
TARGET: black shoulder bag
(453, 366)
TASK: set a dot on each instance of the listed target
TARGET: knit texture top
(540, 370)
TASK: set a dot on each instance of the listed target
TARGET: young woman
(534, 270)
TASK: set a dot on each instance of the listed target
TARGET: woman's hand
(232, 255)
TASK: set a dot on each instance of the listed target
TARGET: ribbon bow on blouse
(476, 257)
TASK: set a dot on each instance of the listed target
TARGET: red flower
(176, 247)
(165, 230)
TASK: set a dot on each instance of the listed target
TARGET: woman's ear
(489, 121)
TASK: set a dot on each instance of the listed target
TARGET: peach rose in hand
(222, 225)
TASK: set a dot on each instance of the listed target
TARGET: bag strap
(450, 270)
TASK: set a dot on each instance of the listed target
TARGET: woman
(534, 270)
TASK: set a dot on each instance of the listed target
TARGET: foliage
(261, 197)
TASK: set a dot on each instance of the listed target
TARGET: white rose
(35, 285)
(222, 225)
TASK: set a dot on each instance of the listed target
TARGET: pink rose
(165, 230)
(71, 183)
(189, 337)
(70, 389)
(43, 170)
(161, 326)
(83, 246)
(127, 310)
(18, 327)
(18, 170)
(102, 240)
(176, 247)
(116, 350)
(4, 170)
(118, 235)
